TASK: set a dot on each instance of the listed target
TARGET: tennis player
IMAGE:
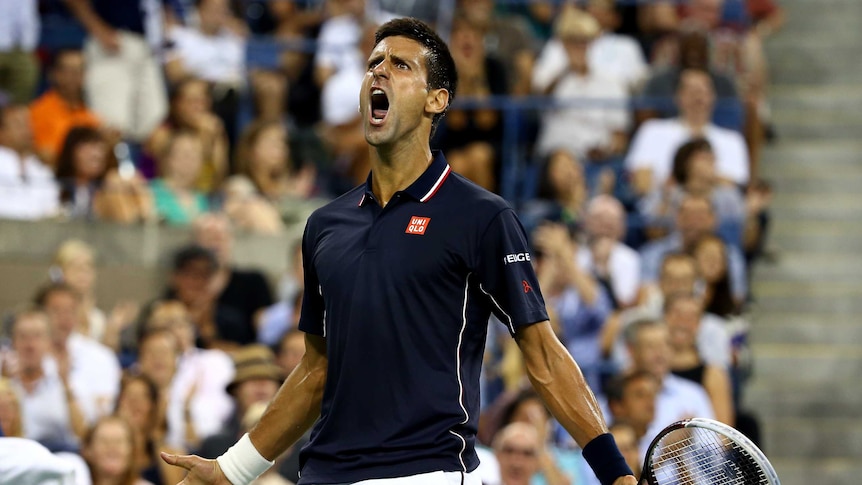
(401, 276)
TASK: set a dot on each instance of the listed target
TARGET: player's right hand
(200, 471)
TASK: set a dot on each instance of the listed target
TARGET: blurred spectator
(339, 36)
(615, 265)
(765, 17)
(177, 201)
(74, 264)
(246, 290)
(694, 53)
(678, 398)
(24, 461)
(695, 219)
(249, 420)
(557, 466)
(711, 256)
(19, 38)
(682, 314)
(678, 276)
(507, 38)
(263, 156)
(191, 110)
(247, 210)
(62, 106)
(281, 318)
(631, 398)
(693, 173)
(578, 303)
(94, 372)
(51, 413)
(191, 282)
(472, 137)
(27, 187)
(11, 421)
(296, 26)
(256, 381)
(109, 449)
(650, 158)
(516, 448)
(616, 54)
(291, 348)
(212, 52)
(123, 81)
(81, 167)
(561, 193)
(197, 393)
(343, 129)
(627, 441)
(598, 129)
(139, 403)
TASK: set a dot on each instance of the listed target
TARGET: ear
(437, 101)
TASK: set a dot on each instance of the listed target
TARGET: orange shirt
(52, 118)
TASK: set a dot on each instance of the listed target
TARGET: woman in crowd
(562, 192)
(711, 256)
(191, 110)
(140, 404)
(109, 450)
(82, 165)
(176, 197)
(263, 156)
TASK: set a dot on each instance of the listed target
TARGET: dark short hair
(193, 252)
(442, 73)
(45, 292)
(616, 387)
(58, 55)
(683, 156)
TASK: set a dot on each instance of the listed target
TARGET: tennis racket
(700, 451)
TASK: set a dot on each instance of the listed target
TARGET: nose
(381, 69)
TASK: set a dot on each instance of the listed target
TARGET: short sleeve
(506, 274)
(311, 319)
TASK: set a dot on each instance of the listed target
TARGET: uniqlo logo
(418, 225)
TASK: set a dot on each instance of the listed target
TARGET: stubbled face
(394, 96)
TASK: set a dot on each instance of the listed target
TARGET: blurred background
(686, 171)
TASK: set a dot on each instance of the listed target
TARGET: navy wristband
(605, 459)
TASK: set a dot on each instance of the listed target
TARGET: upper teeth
(377, 91)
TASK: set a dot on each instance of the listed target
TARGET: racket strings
(695, 456)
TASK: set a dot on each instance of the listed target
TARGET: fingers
(183, 461)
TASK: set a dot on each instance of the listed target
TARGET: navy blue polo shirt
(402, 295)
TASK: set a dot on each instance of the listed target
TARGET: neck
(101, 480)
(698, 188)
(31, 373)
(395, 167)
(695, 122)
(72, 97)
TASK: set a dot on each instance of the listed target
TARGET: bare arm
(95, 26)
(717, 384)
(297, 404)
(559, 382)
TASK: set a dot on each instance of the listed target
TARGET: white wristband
(242, 463)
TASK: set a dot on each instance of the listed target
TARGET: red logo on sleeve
(527, 287)
(417, 225)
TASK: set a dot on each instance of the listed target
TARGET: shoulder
(91, 350)
(332, 211)
(483, 204)
(719, 135)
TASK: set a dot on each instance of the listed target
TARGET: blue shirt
(127, 15)
(402, 295)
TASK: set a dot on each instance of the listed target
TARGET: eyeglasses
(514, 450)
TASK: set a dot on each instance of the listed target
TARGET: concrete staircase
(806, 326)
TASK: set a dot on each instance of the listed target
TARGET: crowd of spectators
(638, 185)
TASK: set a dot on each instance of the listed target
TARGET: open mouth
(379, 106)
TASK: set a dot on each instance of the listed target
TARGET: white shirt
(19, 25)
(215, 58)
(25, 462)
(621, 56)
(340, 96)
(578, 128)
(45, 412)
(655, 144)
(677, 399)
(209, 372)
(32, 194)
(94, 376)
(624, 266)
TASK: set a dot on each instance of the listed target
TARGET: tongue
(379, 113)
